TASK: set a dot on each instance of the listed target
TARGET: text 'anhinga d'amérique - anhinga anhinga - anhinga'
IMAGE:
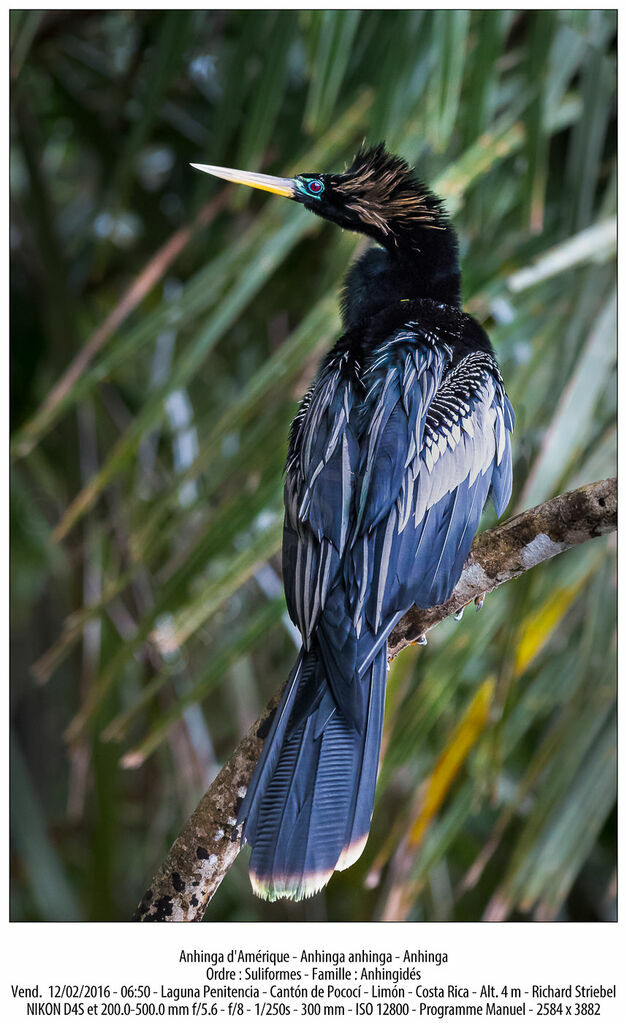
(392, 454)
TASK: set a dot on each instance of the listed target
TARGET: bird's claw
(422, 640)
(478, 604)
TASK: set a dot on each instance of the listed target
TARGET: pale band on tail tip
(351, 853)
(304, 886)
(290, 887)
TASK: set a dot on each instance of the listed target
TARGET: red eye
(315, 187)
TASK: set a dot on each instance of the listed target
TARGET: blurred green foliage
(148, 624)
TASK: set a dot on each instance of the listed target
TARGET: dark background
(148, 626)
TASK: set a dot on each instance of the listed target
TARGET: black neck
(382, 277)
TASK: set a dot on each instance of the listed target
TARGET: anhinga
(394, 449)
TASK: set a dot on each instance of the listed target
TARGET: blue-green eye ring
(312, 187)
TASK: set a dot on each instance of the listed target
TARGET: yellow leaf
(450, 761)
(537, 628)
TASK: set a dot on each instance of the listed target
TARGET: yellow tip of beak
(266, 182)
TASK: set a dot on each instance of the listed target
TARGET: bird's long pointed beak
(268, 183)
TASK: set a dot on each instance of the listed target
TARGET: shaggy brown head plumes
(382, 191)
(379, 196)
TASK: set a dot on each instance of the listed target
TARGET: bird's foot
(421, 641)
(478, 602)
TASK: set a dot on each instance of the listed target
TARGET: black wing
(439, 439)
(319, 483)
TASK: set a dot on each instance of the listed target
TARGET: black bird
(391, 457)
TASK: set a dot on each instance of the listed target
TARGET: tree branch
(209, 842)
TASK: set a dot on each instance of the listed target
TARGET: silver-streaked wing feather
(319, 482)
(421, 521)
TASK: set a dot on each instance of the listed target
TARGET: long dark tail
(307, 810)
